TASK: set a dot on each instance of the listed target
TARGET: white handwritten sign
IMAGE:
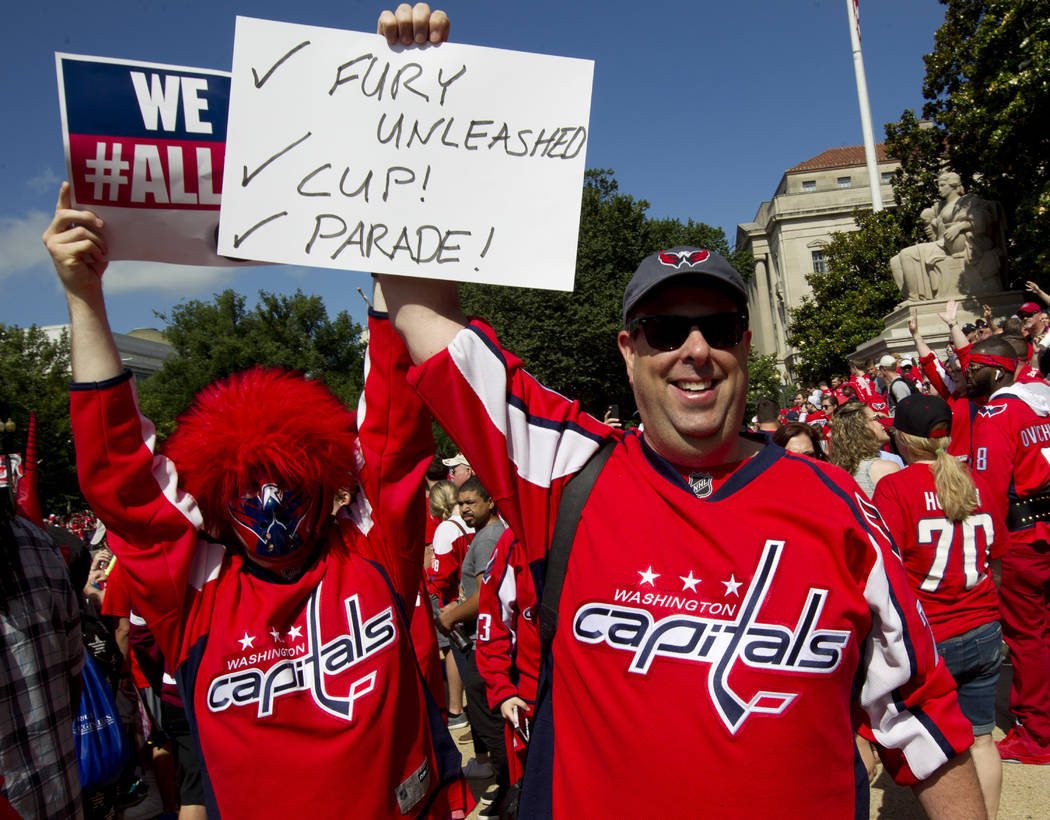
(451, 161)
(144, 150)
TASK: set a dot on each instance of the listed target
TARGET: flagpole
(865, 110)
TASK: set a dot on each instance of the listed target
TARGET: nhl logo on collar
(701, 484)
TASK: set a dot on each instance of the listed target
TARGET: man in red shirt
(1011, 440)
(725, 540)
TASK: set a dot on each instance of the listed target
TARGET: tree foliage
(568, 340)
(763, 380)
(850, 300)
(217, 338)
(36, 380)
(987, 88)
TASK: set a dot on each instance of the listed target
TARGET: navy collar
(748, 471)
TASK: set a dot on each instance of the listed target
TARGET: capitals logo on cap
(678, 258)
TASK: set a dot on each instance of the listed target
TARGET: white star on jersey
(295, 632)
(246, 641)
(732, 585)
(275, 635)
(648, 576)
(689, 582)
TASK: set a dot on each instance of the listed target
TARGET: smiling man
(739, 605)
(730, 612)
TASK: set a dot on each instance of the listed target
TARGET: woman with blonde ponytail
(947, 527)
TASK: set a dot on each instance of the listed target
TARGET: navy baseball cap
(706, 267)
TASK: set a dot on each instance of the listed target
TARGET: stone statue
(966, 251)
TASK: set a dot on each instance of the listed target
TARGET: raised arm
(948, 316)
(425, 312)
(921, 347)
(1038, 292)
(78, 249)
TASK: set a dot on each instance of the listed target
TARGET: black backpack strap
(573, 497)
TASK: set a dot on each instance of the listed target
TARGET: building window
(819, 265)
(845, 182)
(887, 177)
(809, 185)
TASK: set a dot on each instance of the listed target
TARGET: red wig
(262, 425)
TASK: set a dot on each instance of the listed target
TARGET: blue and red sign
(142, 135)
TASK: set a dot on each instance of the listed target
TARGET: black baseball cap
(707, 267)
(918, 414)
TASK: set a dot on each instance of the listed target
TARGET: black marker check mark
(246, 177)
(237, 240)
(259, 82)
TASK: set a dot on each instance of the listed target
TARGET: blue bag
(97, 732)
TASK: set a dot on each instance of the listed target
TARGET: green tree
(36, 380)
(850, 300)
(763, 380)
(987, 88)
(214, 339)
(568, 340)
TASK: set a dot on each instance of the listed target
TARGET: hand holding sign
(446, 162)
(413, 24)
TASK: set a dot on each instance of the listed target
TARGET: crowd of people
(296, 602)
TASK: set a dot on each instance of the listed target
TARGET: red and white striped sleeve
(152, 525)
(523, 440)
(497, 624)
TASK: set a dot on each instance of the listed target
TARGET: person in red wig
(286, 627)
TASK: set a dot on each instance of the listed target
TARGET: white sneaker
(478, 771)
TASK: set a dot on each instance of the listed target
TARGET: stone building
(142, 351)
(814, 199)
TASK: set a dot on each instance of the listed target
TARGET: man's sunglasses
(668, 332)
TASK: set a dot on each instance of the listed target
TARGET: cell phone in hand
(612, 411)
(521, 724)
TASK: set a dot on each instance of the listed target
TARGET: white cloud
(21, 250)
(46, 180)
(20, 244)
(128, 277)
(300, 271)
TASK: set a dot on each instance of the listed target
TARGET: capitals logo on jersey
(312, 668)
(990, 410)
(723, 644)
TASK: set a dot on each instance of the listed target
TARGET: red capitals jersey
(451, 539)
(947, 561)
(722, 627)
(1011, 448)
(508, 638)
(304, 696)
(864, 387)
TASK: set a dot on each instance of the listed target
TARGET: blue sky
(698, 107)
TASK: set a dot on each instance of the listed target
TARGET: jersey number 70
(944, 531)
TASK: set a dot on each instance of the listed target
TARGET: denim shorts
(974, 658)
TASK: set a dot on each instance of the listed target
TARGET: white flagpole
(865, 110)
